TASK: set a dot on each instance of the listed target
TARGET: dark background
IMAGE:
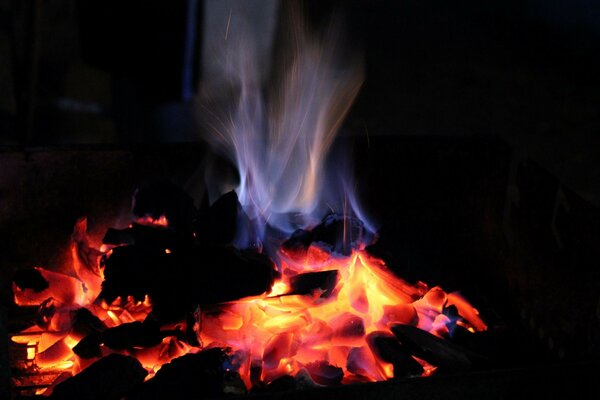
(90, 72)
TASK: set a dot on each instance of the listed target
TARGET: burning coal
(270, 285)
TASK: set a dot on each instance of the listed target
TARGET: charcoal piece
(342, 233)
(282, 384)
(387, 348)
(84, 323)
(300, 240)
(192, 376)
(109, 378)
(447, 356)
(148, 236)
(30, 278)
(322, 281)
(223, 221)
(165, 198)
(132, 271)
(347, 325)
(176, 283)
(89, 346)
(132, 334)
(324, 373)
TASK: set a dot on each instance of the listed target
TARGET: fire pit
(452, 207)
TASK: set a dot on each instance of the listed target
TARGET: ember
(252, 293)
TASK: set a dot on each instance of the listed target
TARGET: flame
(280, 142)
(149, 220)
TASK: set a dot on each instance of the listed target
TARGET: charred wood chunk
(165, 198)
(147, 236)
(447, 356)
(299, 241)
(223, 221)
(109, 378)
(177, 282)
(192, 376)
(30, 278)
(342, 233)
(132, 271)
(282, 384)
(133, 334)
(323, 282)
(84, 323)
(324, 373)
(386, 347)
(89, 346)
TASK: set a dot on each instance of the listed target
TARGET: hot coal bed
(466, 215)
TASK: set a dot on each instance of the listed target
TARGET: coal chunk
(165, 198)
(308, 283)
(178, 282)
(110, 378)
(193, 376)
(387, 348)
(324, 373)
(132, 334)
(84, 322)
(338, 233)
(223, 222)
(447, 356)
(148, 236)
(30, 278)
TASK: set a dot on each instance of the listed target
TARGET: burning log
(447, 356)
(109, 378)
(387, 348)
(193, 376)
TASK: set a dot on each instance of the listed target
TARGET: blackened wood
(30, 278)
(324, 373)
(157, 237)
(447, 356)
(308, 283)
(165, 198)
(178, 282)
(338, 233)
(282, 384)
(83, 323)
(109, 378)
(133, 334)
(223, 221)
(89, 346)
(387, 348)
(192, 376)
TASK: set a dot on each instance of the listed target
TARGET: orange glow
(148, 220)
(280, 332)
(289, 331)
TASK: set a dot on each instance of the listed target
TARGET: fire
(322, 317)
(289, 331)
